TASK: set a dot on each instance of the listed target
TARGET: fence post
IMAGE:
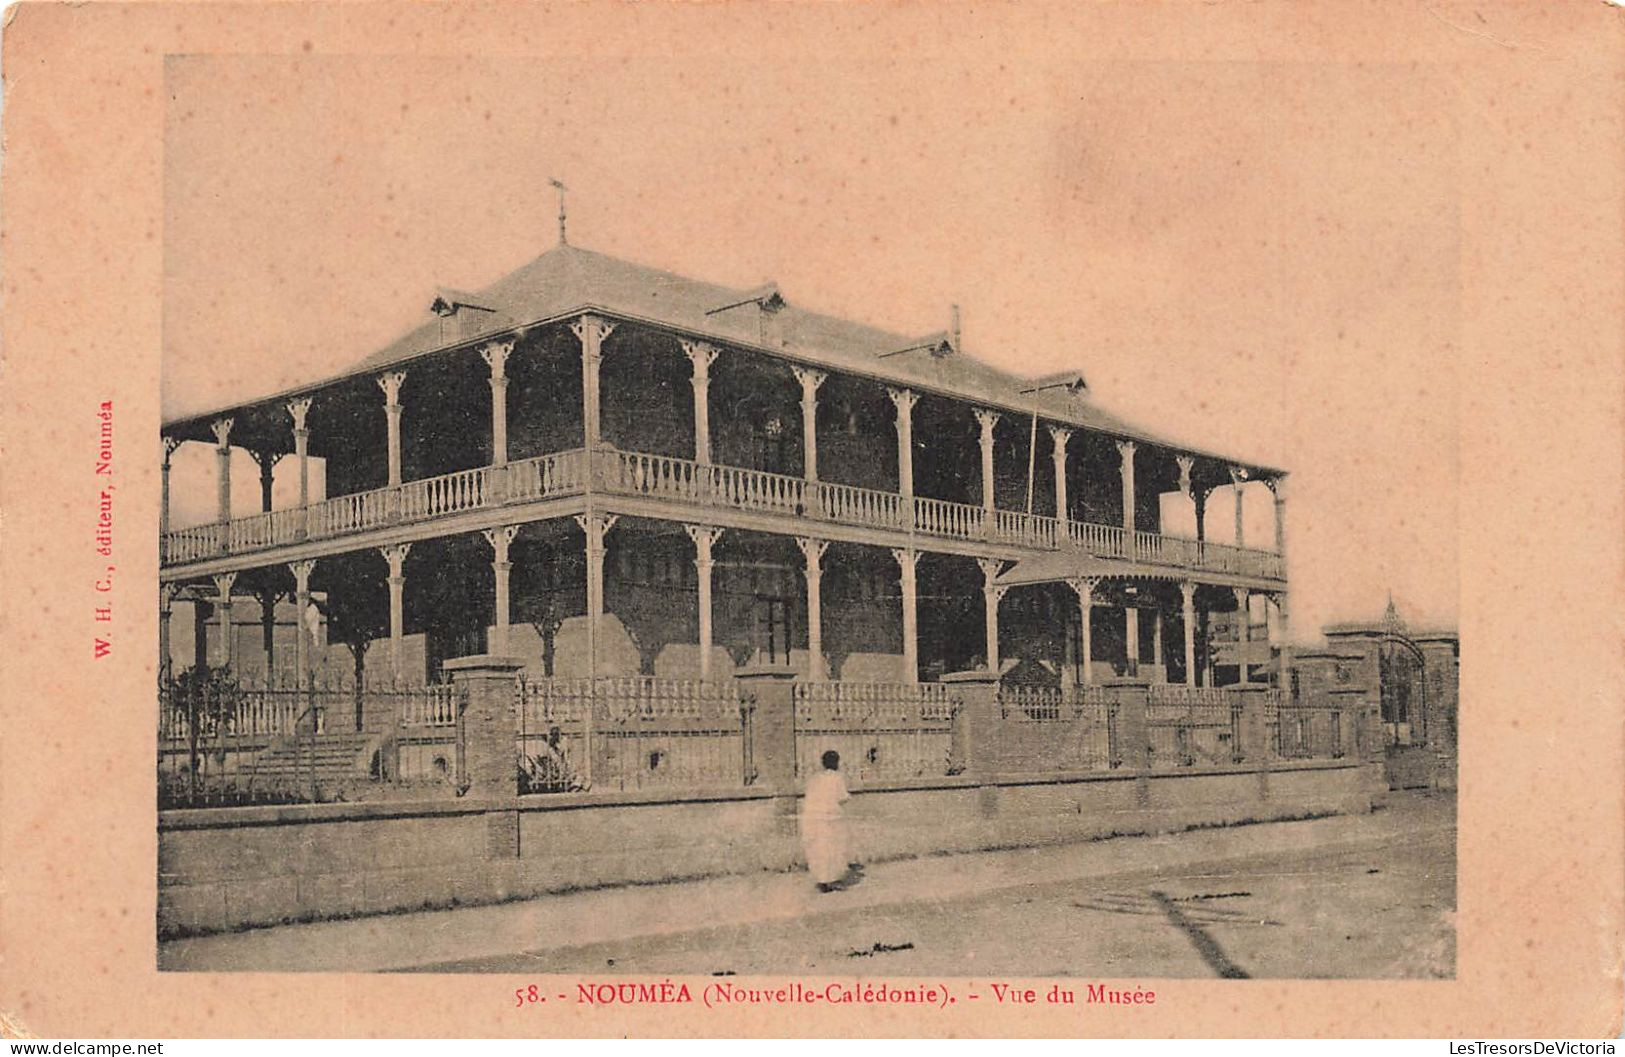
(1133, 733)
(1255, 731)
(489, 727)
(974, 747)
(770, 688)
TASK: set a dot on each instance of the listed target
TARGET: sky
(1261, 258)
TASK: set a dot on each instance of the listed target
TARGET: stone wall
(230, 868)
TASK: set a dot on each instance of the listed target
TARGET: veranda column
(904, 399)
(1084, 588)
(1187, 463)
(170, 444)
(591, 332)
(813, 551)
(595, 527)
(1156, 643)
(391, 385)
(495, 354)
(810, 380)
(1238, 477)
(1283, 629)
(396, 556)
(166, 599)
(987, 420)
(299, 409)
(1277, 487)
(1199, 501)
(992, 594)
(704, 537)
(267, 461)
(1187, 591)
(1125, 451)
(499, 539)
(222, 451)
(267, 596)
(222, 587)
(1244, 630)
(1131, 636)
(906, 559)
(702, 356)
(301, 599)
(1059, 435)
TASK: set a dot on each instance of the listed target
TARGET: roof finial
(953, 326)
(563, 239)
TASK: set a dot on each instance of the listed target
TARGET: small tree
(353, 623)
(208, 696)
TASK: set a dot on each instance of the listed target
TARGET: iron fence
(880, 730)
(1055, 729)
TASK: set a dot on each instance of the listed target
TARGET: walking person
(823, 827)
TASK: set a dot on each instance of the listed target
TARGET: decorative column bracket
(390, 383)
(701, 355)
(1186, 464)
(495, 354)
(222, 584)
(1125, 450)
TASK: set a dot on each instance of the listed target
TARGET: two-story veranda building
(607, 469)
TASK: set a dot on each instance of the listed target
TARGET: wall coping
(489, 661)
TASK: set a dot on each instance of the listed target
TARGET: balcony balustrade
(685, 481)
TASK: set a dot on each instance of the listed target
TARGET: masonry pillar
(906, 559)
(302, 635)
(495, 354)
(988, 420)
(1238, 477)
(500, 539)
(488, 729)
(1125, 451)
(992, 594)
(701, 355)
(299, 409)
(595, 527)
(1131, 746)
(396, 556)
(1253, 735)
(813, 551)
(222, 451)
(1187, 593)
(704, 537)
(390, 383)
(222, 587)
(1059, 435)
(1084, 588)
(974, 746)
(810, 380)
(768, 691)
(904, 400)
(1244, 631)
(591, 332)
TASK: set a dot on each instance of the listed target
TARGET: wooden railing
(686, 481)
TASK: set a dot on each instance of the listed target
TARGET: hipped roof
(568, 280)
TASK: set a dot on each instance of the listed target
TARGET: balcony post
(267, 460)
(591, 332)
(1199, 501)
(1244, 631)
(299, 409)
(595, 527)
(810, 380)
(166, 600)
(396, 556)
(222, 451)
(904, 399)
(1125, 450)
(1084, 588)
(704, 537)
(1187, 591)
(170, 444)
(992, 594)
(701, 355)
(1238, 477)
(813, 551)
(222, 586)
(906, 559)
(495, 354)
(302, 635)
(500, 538)
(1277, 487)
(987, 420)
(390, 383)
(1060, 435)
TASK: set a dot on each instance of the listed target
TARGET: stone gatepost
(1256, 750)
(770, 741)
(487, 733)
(974, 743)
(1132, 744)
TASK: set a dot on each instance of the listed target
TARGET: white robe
(823, 830)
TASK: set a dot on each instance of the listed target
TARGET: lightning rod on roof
(563, 239)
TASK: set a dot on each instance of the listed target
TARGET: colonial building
(605, 469)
